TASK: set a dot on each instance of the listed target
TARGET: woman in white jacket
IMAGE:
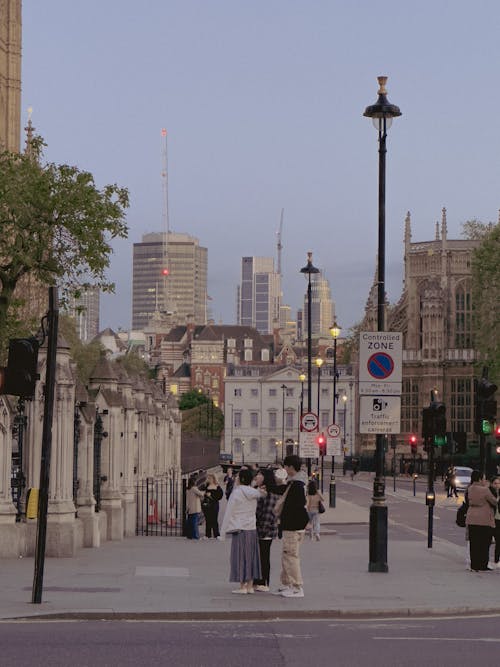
(239, 521)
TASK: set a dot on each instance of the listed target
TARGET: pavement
(173, 578)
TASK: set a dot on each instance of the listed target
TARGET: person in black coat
(210, 506)
(294, 519)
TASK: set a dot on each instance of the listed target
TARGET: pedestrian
(280, 476)
(449, 482)
(229, 482)
(210, 505)
(294, 519)
(480, 521)
(354, 468)
(240, 522)
(267, 524)
(193, 508)
(495, 490)
(314, 499)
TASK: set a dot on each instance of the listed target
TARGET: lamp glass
(335, 330)
(378, 122)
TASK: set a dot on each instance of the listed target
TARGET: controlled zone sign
(380, 363)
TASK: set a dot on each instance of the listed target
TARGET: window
(324, 391)
(463, 317)
(248, 355)
(325, 419)
(254, 420)
(460, 418)
(254, 446)
(237, 420)
(264, 354)
(254, 392)
(409, 406)
(289, 392)
(272, 392)
(289, 419)
(273, 420)
(237, 392)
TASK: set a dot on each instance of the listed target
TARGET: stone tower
(10, 74)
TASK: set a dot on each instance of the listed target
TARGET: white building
(263, 408)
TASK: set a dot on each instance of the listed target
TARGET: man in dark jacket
(294, 519)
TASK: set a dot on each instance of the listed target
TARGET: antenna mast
(279, 245)
(165, 270)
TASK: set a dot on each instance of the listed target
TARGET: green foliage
(204, 419)
(55, 225)
(135, 365)
(350, 344)
(475, 229)
(85, 355)
(192, 399)
(486, 300)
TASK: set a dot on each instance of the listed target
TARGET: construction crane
(279, 245)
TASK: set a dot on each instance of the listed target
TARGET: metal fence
(161, 507)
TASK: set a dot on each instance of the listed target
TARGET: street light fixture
(381, 113)
(334, 333)
(319, 362)
(308, 270)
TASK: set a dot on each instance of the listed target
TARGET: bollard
(415, 485)
(333, 491)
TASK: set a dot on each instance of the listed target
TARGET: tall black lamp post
(283, 390)
(381, 113)
(308, 270)
(319, 363)
(334, 333)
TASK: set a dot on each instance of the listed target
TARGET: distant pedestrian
(314, 499)
(229, 482)
(294, 519)
(450, 482)
(240, 522)
(210, 505)
(480, 521)
(280, 476)
(267, 524)
(193, 508)
(495, 490)
(354, 468)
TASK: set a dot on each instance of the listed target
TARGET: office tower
(10, 75)
(322, 310)
(85, 311)
(183, 292)
(259, 294)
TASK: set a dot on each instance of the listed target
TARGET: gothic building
(434, 313)
(10, 74)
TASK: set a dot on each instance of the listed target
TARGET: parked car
(462, 478)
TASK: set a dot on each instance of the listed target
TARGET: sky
(263, 103)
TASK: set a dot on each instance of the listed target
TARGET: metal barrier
(161, 507)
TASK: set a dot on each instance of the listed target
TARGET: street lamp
(319, 363)
(232, 424)
(309, 269)
(283, 390)
(242, 452)
(334, 333)
(381, 113)
(302, 378)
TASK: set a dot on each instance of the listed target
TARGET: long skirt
(245, 556)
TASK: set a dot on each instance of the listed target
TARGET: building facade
(259, 294)
(170, 279)
(10, 74)
(322, 308)
(85, 311)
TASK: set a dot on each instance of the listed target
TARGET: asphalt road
(408, 516)
(388, 643)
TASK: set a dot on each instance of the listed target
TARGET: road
(407, 514)
(382, 643)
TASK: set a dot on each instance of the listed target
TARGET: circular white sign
(333, 430)
(309, 422)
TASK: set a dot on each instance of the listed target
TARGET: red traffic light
(321, 442)
(165, 272)
(413, 439)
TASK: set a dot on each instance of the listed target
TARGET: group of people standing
(483, 520)
(203, 499)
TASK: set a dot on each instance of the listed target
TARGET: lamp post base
(378, 538)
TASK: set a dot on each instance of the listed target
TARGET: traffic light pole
(430, 496)
(43, 498)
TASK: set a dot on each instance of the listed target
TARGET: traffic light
(485, 407)
(413, 444)
(497, 439)
(439, 424)
(20, 376)
(321, 442)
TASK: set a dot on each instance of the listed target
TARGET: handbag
(461, 515)
(321, 507)
(280, 503)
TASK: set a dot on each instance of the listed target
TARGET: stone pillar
(12, 538)
(85, 495)
(128, 440)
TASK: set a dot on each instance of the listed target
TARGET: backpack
(462, 515)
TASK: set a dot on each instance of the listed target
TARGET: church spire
(437, 231)
(30, 130)
(444, 227)
(407, 229)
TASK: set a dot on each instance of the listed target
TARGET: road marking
(445, 639)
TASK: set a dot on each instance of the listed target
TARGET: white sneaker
(262, 589)
(240, 591)
(281, 589)
(293, 593)
(497, 565)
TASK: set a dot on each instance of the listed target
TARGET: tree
(486, 300)
(56, 225)
(191, 399)
(85, 355)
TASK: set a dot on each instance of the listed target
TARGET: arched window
(254, 446)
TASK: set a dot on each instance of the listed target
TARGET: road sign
(334, 446)
(333, 430)
(309, 422)
(380, 363)
(308, 448)
(380, 414)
